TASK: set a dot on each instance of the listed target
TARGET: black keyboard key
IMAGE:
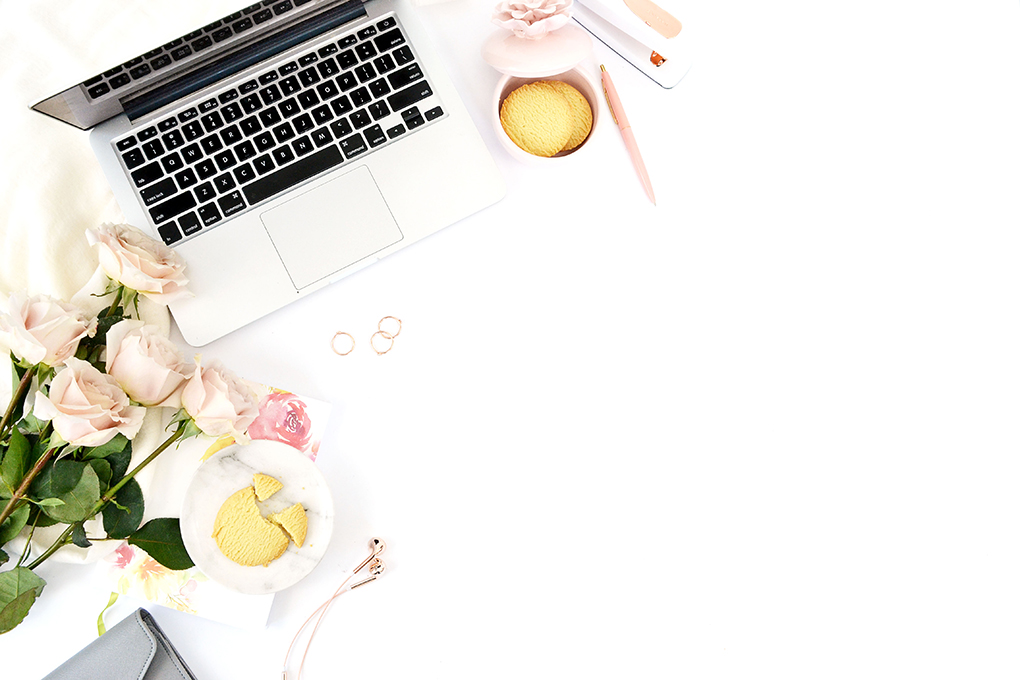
(192, 131)
(202, 43)
(433, 113)
(347, 59)
(389, 40)
(189, 114)
(162, 61)
(126, 143)
(366, 33)
(211, 144)
(403, 55)
(346, 81)
(264, 141)
(289, 85)
(248, 86)
(181, 52)
(289, 67)
(414, 121)
(141, 71)
(98, 90)
(225, 159)
(228, 96)
(384, 64)
(308, 99)
(353, 145)
(191, 153)
(153, 149)
(244, 151)
(147, 133)
(231, 203)
(302, 146)
(212, 121)
(307, 59)
(244, 173)
(396, 131)
(154, 193)
(172, 163)
(308, 77)
(409, 95)
(224, 183)
(206, 169)
(281, 7)
(374, 135)
(271, 94)
(267, 78)
(167, 124)
(263, 164)
(264, 15)
(283, 155)
(341, 128)
(169, 233)
(328, 68)
(222, 34)
(186, 178)
(328, 49)
(284, 178)
(251, 103)
(322, 115)
(412, 112)
(205, 192)
(189, 223)
(342, 105)
(327, 90)
(209, 214)
(283, 132)
(347, 41)
(302, 123)
(232, 112)
(379, 88)
(388, 22)
(360, 118)
(208, 105)
(361, 96)
(365, 73)
(321, 137)
(231, 135)
(365, 51)
(120, 81)
(173, 140)
(270, 117)
(171, 208)
(405, 76)
(242, 25)
(378, 110)
(133, 158)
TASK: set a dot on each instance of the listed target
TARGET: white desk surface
(766, 428)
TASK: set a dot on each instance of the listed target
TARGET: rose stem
(108, 496)
(16, 398)
(23, 487)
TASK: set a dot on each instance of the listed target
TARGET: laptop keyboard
(249, 142)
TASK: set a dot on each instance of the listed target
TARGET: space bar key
(292, 174)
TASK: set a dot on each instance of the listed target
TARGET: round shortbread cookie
(580, 111)
(537, 118)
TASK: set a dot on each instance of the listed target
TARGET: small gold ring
(332, 343)
(385, 335)
(400, 325)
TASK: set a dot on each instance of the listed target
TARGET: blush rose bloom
(219, 402)
(42, 330)
(139, 262)
(146, 364)
(282, 418)
(532, 19)
(87, 407)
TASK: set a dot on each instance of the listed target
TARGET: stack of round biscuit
(546, 117)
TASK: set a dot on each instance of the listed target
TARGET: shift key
(409, 95)
(172, 208)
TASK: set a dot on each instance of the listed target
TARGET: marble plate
(228, 471)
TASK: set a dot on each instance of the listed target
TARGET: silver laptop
(283, 147)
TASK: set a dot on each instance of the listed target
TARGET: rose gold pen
(620, 116)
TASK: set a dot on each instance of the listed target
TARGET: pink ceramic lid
(556, 52)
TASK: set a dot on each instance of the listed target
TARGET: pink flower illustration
(282, 418)
(122, 556)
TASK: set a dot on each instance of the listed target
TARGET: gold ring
(332, 343)
(385, 335)
(400, 325)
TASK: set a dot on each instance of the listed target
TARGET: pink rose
(42, 330)
(532, 19)
(219, 402)
(87, 407)
(282, 418)
(139, 262)
(146, 364)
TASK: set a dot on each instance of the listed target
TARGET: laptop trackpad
(331, 227)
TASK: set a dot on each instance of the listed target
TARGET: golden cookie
(294, 522)
(265, 486)
(243, 535)
(580, 111)
(537, 118)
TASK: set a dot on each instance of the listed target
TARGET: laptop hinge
(252, 53)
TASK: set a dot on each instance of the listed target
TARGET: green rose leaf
(12, 469)
(78, 536)
(103, 471)
(79, 501)
(57, 479)
(119, 462)
(4, 557)
(18, 589)
(115, 445)
(13, 525)
(161, 539)
(49, 502)
(123, 517)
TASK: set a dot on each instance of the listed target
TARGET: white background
(765, 428)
